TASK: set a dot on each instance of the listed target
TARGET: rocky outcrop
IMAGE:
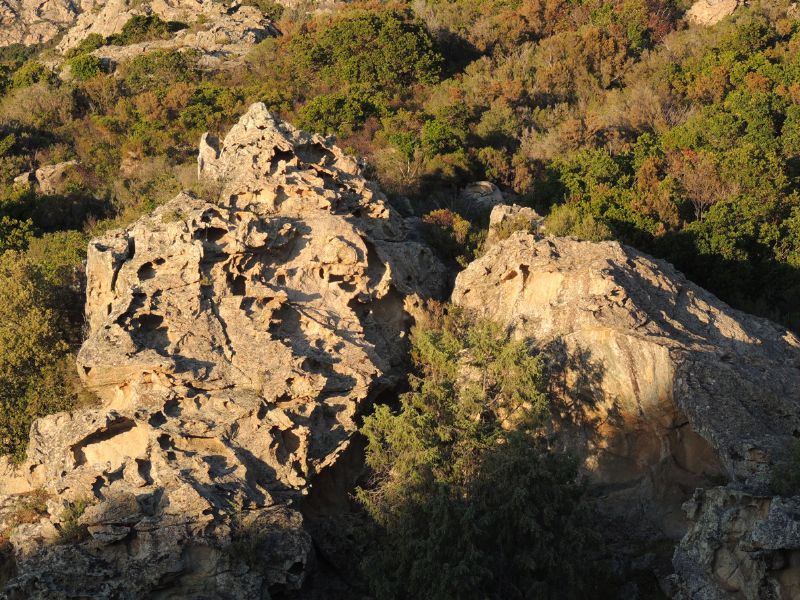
(26, 22)
(711, 12)
(481, 196)
(738, 546)
(234, 337)
(109, 16)
(217, 33)
(664, 387)
(221, 40)
(49, 178)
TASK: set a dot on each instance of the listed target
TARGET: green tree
(382, 51)
(32, 351)
(469, 500)
(85, 66)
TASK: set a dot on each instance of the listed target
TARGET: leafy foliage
(470, 501)
(144, 28)
(380, 51)
(32, 351)
(85, 66)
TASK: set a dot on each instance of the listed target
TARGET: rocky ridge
(25, 22)
(218, 32)
(233, 339)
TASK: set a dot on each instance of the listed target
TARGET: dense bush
(270, 8)
(85, 66)
(469, 500)
(144, 28)
(33, 351)
(380, 51)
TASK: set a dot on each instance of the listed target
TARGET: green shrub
(569, 220)
(439, 137)
(380, 50)
(32, 351)
(336, 113)
(271, 9)
(85, 66)
(15, 234)
(157, 70)
(71, 530)
(144, 28)
(469, 500)
(91, 42)
(30, 73)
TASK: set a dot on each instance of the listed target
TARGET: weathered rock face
(665, 387)
(218, 33)
(108, 17)
(711, 12)
(738, 546)
(232, 341)
(27, 22)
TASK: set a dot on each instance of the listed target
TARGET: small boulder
(711, 12)
(481, 195)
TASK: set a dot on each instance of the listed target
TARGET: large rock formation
(27, 22)
(233, 339)
(665, 387)
(218, 33)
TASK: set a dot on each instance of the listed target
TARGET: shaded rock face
(232, 341)
(738, 546)
(664, 387)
